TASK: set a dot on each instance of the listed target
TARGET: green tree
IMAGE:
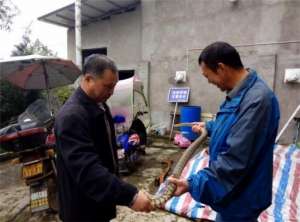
(24, 47)
(39, 48)
(27, 47)
(7, 12)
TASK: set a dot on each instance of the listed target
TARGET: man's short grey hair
(96, 64)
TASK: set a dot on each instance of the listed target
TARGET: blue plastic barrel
(189, 114)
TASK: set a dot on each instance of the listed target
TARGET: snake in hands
(162, 198)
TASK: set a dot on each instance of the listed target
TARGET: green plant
(63, 93)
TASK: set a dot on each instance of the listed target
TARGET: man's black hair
(220, 52)
(96, 64)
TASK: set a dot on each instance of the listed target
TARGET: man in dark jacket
(89, 188)
(238, 182)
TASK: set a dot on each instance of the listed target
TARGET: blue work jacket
(238, 182)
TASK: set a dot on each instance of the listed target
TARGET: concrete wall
(175, 31)
(121, 35)
(163, 36)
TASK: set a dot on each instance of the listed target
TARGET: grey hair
(96, 64)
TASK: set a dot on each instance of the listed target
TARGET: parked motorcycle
(32, 139)
(131, 143)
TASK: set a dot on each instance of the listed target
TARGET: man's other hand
(181, 185)
(142, 203)
(198, 127)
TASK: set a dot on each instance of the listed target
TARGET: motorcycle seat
(22, 133)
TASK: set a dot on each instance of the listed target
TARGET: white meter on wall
(180, 76)
(292, 76)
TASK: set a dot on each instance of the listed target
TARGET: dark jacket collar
(86, 101)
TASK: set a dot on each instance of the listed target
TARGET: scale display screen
(179, 95)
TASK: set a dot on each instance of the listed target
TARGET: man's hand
(182, 185)
(198, 127)
(142, 202)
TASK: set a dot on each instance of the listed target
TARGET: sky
(55, 37)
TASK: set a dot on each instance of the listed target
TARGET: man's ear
(221, 66)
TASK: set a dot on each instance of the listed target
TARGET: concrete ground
(14, 194)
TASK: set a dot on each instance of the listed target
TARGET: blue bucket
(189, 114)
